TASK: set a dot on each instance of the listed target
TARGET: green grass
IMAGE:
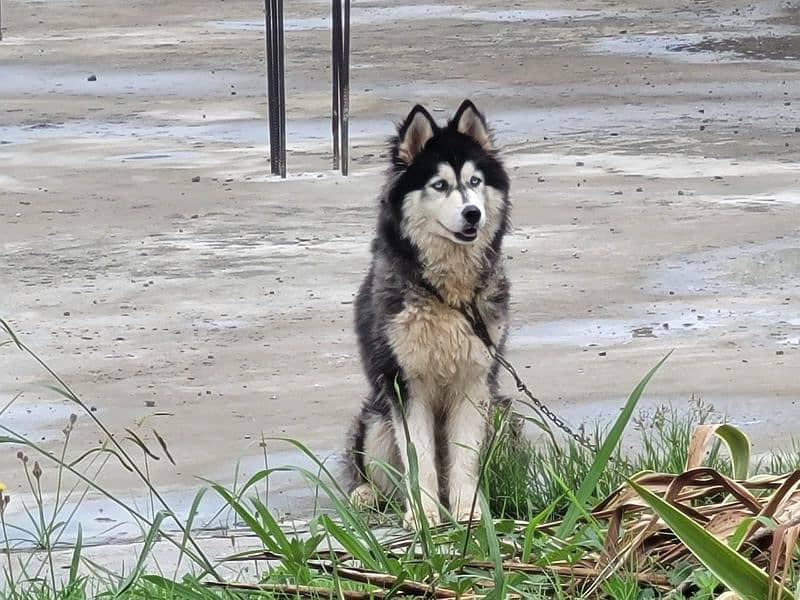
(520, 483)
(525, 486)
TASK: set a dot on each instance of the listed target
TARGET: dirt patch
(785, 47)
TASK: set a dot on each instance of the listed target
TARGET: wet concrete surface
(151, 260)
(786, 47)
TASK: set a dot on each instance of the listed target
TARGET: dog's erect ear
(469, 121)
(414, 133)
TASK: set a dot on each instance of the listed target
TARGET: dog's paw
(430, 514)
(364, 496)
(463, 514)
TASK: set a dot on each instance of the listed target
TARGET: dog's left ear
(469, 121)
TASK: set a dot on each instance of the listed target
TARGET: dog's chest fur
(436, 344)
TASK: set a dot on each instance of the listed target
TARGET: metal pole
(336, 51)
(344, 96)
(281, 91)
(276, 102)
(1, 20)
(269, 36)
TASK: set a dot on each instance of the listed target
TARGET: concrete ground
(653, 148)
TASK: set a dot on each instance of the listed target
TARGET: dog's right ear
(413, 134)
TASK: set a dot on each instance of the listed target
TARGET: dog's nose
(471, 214)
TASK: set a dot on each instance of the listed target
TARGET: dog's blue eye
(475, 181)
(440, 185)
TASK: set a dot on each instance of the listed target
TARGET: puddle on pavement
(772, 267)
(760, 48)
(782, 327)
(511, 126)
(391, 14)
(760, 281)
(702, 48)
(521, 125)
(158, 155)
(38, 419)
(299, 129)
(83, 129)
(522, 15)
(656, 322)
(359, 16)
(755, 31)
(677, 166)
(249, 131)
(779, 197)
(102, 521)
(72, 80)
(647, 45)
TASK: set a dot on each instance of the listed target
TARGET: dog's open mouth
(468, 234)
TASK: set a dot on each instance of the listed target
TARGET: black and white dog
(437, 251)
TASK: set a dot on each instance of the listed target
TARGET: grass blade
(76, 557)
(737, 442)
(600, 463)
(193, 510)
(266, 538)
(147, 546)
(350, 543)
(731, 568)
(739, 448)
(175, 589)
(162, 442)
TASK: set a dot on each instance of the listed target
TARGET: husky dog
(436, 255)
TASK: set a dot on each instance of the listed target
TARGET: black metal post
(269, 34)
(344, 96)
(273, 21)
(281, 93)
(336, 52)
(340, 83)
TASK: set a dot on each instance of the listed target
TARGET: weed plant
(520, 477)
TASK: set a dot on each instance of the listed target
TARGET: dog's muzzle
(472, 216)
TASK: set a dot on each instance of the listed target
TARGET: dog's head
(447, 181)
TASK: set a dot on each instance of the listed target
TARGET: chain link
(538, 404)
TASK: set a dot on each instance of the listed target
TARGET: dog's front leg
(466, 430)
(415, 425)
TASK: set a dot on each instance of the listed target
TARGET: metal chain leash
(539, 405)
(478, 325)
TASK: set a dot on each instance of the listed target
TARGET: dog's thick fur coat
(437, 249)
